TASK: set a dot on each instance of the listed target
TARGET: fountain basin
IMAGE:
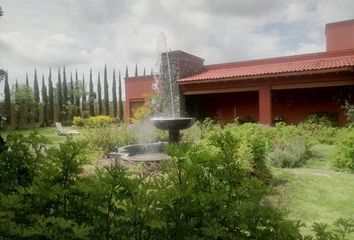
(141, 153)
(173, 125)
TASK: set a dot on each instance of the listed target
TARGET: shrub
(291, 154)
(141, 113)
(344, 159)
(100, 121)
(79, 121)
(106, 138)
(94, 122)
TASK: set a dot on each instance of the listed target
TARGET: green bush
(289, 155)
(79, 121)
(344, 159)
(106, 138)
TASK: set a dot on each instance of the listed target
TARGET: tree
(65, 87)
(106, 95)
(136, 70)
(36, 94)
(24, 101)
(99, 99)
(114, 94)
(51, 97)
(27, 84)
(45, 103)
(83, 93)
(72, 91)
(126, 71)
(121, 110)
(1, 12)
(77, 94)
(144, 73)
(91, 96)
(60, 95)
(7, 99)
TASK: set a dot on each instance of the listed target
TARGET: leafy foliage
(345, 151)
(291, 154)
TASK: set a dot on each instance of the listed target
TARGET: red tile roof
(272, 67)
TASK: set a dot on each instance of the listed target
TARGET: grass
(315, 192)
(53, 138)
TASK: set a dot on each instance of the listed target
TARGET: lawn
(48, 132)
(315, 192)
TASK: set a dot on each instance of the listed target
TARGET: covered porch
(290, 99)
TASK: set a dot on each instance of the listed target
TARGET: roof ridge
(277, 60)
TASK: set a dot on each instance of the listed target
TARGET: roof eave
(286, 74)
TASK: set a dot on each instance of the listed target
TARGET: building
(285, 89)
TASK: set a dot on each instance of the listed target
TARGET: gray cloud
(90, 33)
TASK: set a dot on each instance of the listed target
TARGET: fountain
(170, 123)
(151, 152)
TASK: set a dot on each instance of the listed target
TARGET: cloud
(90, 33)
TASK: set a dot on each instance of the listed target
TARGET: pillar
(265, 105)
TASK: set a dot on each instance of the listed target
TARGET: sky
(84, 34)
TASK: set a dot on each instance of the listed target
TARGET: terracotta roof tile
(275, 66)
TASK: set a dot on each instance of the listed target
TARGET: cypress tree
(144, 73)
(16, 86)
(77, 94)
(7, 98)
(136, 70)
(121, 110)
(65, 87)
(91, 96)
(27, 84)
(60, 95)
(72, 91)
(126, 71)
(51, 97)
(45, 103)
(99, 99)
(106, 96)
(114, 94)
(83, 93)
(36, 87)
(36, 94)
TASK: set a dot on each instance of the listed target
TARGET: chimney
(340, 35)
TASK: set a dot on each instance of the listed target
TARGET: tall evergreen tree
(27, 82)
(126, 71)
(36, 87)
(60, 95)
(91, 96)
(36, 94)
(136, 70)
(16, 85)
(77, 95)
(7, 96)
(72, 91)
(99, 97)
(106, 95)
(45, 103)
(65, 87)
(83, 93)
(144, 73)
(51, 97)
(114, 94)
(121, 110)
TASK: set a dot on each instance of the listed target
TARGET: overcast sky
(90, 33)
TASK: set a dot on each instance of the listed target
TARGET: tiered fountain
(168, 121)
